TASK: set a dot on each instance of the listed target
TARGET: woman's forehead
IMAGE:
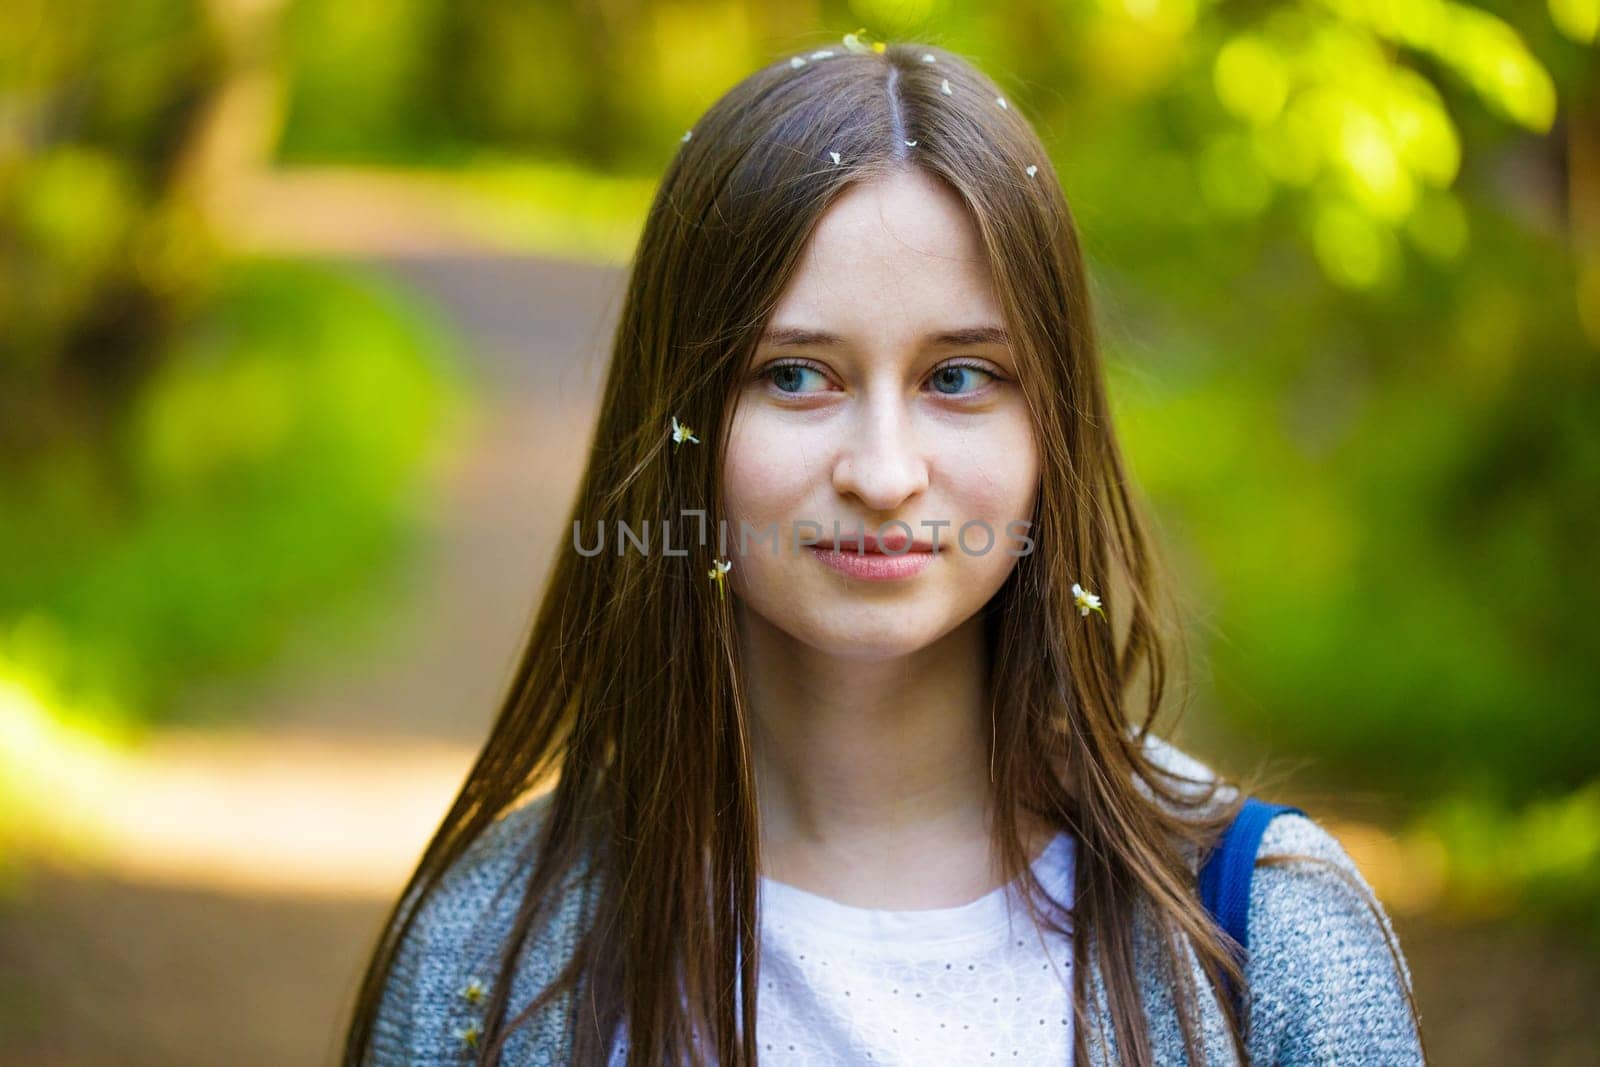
(898, 253)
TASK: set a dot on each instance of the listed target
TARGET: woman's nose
(881, 461)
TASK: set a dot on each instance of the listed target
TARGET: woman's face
(883, 390)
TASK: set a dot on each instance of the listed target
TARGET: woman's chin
(866, 638)
(850, 625)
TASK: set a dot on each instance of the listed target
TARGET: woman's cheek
(992, 479)
(768, 472)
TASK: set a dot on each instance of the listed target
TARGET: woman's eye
(955, 378)
(791, 377)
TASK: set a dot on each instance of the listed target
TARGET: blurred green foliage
(272, 466)
(101, 251)
(1544, 858)
(196, 454)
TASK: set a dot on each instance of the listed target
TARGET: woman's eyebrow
(795, 337)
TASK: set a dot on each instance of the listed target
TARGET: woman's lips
(874, 566)
(893, 544)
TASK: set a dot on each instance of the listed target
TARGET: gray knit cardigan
(1324, 988)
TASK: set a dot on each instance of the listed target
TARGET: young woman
(849, 734)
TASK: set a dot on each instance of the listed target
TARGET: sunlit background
(304, 307)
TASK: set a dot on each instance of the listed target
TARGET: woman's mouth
(873, 561)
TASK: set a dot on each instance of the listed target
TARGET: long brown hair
(629, 694)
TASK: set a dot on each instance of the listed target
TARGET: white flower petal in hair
(718, 572)
(835, 156)
(928, 57)
(944, 87)
(1002, 102)
(1032, 170)
(861, 41)
(797, 61)
(824, 54)
(911, 144)
(686, 135)
(1085, 600)
(681, 433)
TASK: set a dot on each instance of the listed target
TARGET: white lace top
(972, 984)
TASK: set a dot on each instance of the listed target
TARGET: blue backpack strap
(1225, 877)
